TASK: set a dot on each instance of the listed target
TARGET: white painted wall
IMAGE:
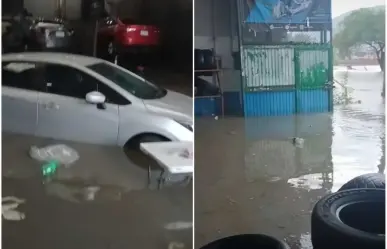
(216, 28)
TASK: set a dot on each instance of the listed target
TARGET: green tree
(363, 27)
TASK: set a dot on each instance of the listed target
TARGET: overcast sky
(341, 6)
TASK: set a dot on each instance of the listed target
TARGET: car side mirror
(95, 98)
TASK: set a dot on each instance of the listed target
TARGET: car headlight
(186, 125)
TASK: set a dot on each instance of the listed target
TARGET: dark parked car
(49, 35)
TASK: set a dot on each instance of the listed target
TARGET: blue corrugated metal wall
(207, 106)
(232, 103)
(269, 103)
(309, 101)
(212, 106)
(282, 103)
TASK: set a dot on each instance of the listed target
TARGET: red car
(121, 36)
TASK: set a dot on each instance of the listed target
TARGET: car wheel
(110, 50)
(134, 153)
(373, 180)
(352, 218)
(134, 144)
(247, 241)
(149, 139)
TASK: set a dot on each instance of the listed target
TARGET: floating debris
(230, 200)
(78, 191)
(176, 245)
(9, 211)
(178, 225)
(50, 168)
(298, 142)
(275, 179)
(90, 192)
(61, 153)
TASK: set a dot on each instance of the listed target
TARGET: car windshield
(132, 83)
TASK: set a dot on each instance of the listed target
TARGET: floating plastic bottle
(50, 168)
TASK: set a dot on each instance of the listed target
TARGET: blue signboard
(305, 12)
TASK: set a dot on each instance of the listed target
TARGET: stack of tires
(204, 60)
(353, 217)
(247, 241)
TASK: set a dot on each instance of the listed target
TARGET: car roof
(58, 58)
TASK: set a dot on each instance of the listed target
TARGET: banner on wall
(291, 12)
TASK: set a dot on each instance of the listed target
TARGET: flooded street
(103, 201)
(251, 176)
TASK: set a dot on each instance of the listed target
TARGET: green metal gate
(287, 79)
(314, 77)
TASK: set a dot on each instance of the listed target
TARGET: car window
(112, 96)
(24, 75)
(71, 82)
(130, 82)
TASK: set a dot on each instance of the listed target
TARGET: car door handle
(50, 105)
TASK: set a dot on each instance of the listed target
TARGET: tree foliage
(363, 26)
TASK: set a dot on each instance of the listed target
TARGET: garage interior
(169, 66)
(216, 29)
(126, 211)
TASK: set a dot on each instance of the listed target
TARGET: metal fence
(268, 66)
(272, 67)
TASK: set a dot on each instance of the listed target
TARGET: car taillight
(130, 29)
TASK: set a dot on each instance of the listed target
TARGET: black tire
(134, 153)
(148, 138)
(247, 241)
(152, 139)
(372, 181)
(103, 52)
(111, 51)
(352, 218)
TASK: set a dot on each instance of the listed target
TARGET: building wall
(158, 9)
(44, 8)
(47, 8)
(216, 28)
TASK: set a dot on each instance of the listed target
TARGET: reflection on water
(274, 184)
(358, 142)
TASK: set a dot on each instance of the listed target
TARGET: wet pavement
(124, 212)
(250, 177)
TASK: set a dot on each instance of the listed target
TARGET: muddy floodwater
(102, 201)
(250, 176)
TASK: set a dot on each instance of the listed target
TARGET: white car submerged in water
(85, 99)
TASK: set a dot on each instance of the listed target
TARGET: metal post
(95, 39)
(240, 15)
